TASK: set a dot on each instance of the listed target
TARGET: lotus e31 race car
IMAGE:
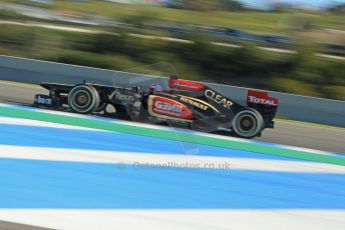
(187, 104)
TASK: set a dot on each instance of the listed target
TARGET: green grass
(256, 21)
(335, 21)
(262, 22)
(249, 20)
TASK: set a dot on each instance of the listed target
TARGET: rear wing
(258, 97)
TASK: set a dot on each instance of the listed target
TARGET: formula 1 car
(188, 104)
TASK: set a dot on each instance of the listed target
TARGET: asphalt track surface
(289, 133)
(13, 226)
(285, 132)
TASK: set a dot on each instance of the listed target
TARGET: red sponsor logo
(185, 85)
(261, 97)
(168, 107)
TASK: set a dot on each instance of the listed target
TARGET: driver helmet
(155, 88)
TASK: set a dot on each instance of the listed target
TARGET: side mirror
(136, 88)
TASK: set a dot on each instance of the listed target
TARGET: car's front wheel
(83, 99)
(247, 123)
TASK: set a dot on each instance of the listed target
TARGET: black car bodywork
(186, 103)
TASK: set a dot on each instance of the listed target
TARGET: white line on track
(149, 160)
(178, 219)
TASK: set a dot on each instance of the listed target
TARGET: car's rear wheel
(248, 123)
(83, 99)
(101, 107)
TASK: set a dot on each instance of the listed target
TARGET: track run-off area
(68, 171)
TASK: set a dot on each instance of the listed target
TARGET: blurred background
(293, 46)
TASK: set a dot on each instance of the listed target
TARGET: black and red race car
(187, 104)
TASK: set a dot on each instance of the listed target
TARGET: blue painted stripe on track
(34, 136)
(52, 184)
(175, 130)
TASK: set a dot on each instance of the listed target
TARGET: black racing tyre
(84, 99)
(101, 107)
(248, 123)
